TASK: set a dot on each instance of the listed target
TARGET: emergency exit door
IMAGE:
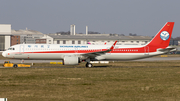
(21, 49)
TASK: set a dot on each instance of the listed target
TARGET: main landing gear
(89, 65)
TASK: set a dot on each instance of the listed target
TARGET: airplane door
(146, 50)
(21, 49)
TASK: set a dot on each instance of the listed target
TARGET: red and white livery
(72, 54)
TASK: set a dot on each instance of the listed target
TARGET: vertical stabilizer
(163, 37)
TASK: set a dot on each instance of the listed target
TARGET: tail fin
(163, 37)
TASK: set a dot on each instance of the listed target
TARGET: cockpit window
(11, 48)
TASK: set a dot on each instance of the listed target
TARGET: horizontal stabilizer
(167, 49)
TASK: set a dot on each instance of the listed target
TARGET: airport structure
(5, 35)
(25, 36)
(96, 39)
(9, 37)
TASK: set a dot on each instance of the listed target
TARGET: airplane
(73, 54)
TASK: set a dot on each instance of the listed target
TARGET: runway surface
(47, 61)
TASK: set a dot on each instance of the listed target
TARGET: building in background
(40, 41)
(15, 39)
(26, 36)
(10, 37)
(45, 40)
(5, 35)
(99, 39)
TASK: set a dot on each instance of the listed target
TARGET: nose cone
(4, 54)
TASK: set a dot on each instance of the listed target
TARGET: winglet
(112, 47)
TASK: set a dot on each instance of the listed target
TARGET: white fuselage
(58, 51)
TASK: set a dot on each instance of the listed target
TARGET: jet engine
(71, 60)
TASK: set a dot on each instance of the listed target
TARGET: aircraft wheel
(89, 65)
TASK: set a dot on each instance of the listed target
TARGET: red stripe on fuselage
(119, 50)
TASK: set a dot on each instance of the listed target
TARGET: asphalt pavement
(47, 61)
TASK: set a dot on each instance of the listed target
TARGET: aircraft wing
(94, 54)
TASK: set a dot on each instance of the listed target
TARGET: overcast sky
(143, 17)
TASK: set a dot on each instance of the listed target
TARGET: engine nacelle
(71, 60)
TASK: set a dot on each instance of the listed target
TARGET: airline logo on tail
(164, 35)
